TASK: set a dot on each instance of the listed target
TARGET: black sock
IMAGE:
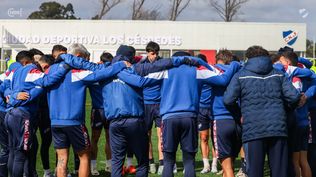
(151, 161)
(161, 162)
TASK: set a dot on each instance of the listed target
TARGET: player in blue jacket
(21, 117)
(306, 86)
(204, 124)
(43, 121)
(151, 109)
(68, 114)
(4, 152)
(5, 84)
(180, 95)
(98, 121)
(226, 126)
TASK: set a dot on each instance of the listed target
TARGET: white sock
(47, 172)
(108, 163)
(206, 163)
(129, 162)
(214, 162)
(93, 163)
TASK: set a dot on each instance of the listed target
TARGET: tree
(139, 13)
(137, 9)
(106, 6)
(229, 10)
(177, 8)
(53, 10)
(310, 48)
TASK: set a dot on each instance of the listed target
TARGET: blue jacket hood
(120, 58)
(259, 65)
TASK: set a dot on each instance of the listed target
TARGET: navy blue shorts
(204, 121)
(300, 138)
(44, 122)
(183, 130)
(152, 114)
(226, 138)
(21, 130)
(98, 120)
(76, 136)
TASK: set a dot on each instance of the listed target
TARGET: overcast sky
(296, 11)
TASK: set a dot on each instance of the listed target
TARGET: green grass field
(101, 154)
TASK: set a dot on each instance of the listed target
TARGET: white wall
(43, 34)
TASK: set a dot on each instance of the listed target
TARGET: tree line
(226, 9)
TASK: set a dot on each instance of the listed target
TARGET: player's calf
(62, 160)
(84, 168)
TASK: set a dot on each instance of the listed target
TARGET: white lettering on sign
(92, 40)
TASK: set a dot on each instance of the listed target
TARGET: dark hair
(285, 49)
(152, 47)
(225, 55)
(292, 56)
(236, 58)
(203, 57)
(275, 57)
(24, 55)
(133, 50)
(36, 52)
(59, 48)
(106, 57)
(49, 59)
(256, 51)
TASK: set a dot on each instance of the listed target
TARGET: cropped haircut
(256, 51)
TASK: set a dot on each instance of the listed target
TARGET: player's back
(67, 99)
(180, 92)
(122, 100)
(23, 80)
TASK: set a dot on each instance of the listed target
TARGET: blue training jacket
(9, 75)
(181, 87)
(219, 110)
(26, 79)
(3, 104)
(95, 91)
(308, 87)
(6, 78)
(206, 96)
(71, 109)
(125, 101)
(152, 93)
